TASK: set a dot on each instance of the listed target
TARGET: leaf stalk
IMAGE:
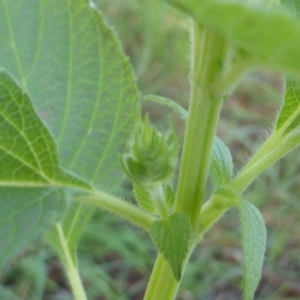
(121, 208)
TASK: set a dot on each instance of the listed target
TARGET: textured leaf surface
(143, 198)
(271, 35)
(254, 246)
(169, 195)
(81, 84)
(289, 116)
(171, 238)
(70, 63)
(221, 164)
(27, 151)
(24, 215)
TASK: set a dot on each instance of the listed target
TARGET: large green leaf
(69, 62)
(254, 239)
(24, 215)
(273, 36)
(65, 56)
(28, 159)
(27, 151)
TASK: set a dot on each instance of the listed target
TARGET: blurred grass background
(115, 258)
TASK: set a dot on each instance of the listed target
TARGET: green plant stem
(208, 51)
(162, 284)
(121, 208)
(70, 267)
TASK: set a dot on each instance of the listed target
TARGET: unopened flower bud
(152, 155)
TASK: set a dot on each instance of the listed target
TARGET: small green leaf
(143, 198)
(163, 100)
(254, 245)
(171, 238)
(289, 116)
(28, 154)
(272, 36)
(25, 214)
(84, 90)
(221, 165)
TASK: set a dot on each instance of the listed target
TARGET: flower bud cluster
(152, 155)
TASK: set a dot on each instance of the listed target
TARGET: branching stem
(273, 149)
(208, 50)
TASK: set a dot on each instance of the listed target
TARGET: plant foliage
(68, 108)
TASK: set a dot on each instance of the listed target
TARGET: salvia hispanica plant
(71, 128)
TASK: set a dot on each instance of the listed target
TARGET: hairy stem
(121, 208)
(208, 51)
